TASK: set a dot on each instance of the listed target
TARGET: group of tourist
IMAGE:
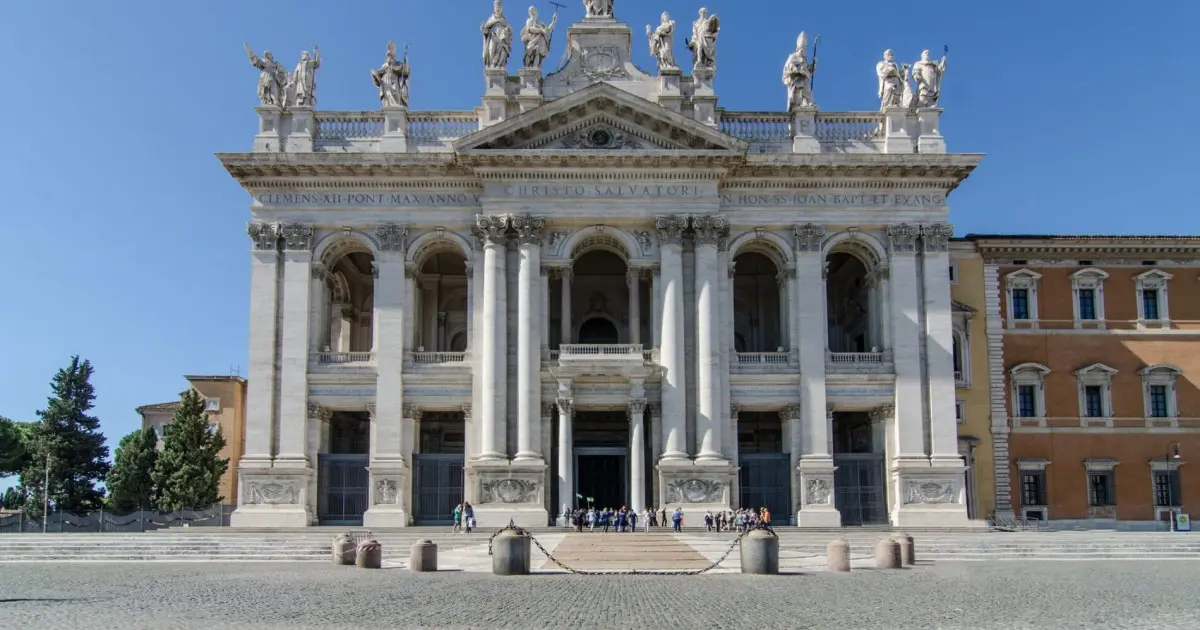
(742, 520)
(464, 518)
(621, 520)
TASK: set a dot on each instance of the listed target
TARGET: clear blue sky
(126, 240)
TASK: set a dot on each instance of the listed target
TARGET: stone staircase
(595, 550)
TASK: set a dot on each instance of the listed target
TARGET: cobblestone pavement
(946, 595)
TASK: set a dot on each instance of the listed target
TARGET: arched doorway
(759, 315)
(850, 302)
(599, 330)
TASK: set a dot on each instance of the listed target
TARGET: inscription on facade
(396, 198)
(881, 200)
(584, 191)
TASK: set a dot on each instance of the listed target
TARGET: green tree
(14, 454)
(70, 440)
(13, 499)
(189, 468)
(130, 482)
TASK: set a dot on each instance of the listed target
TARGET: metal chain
(524, 532)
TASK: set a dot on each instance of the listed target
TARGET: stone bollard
(838, 556)
(907, 549)
(887, 554)
(760, 553)
(370, 555)
(510, 553)
(423, 557)
(343, 550)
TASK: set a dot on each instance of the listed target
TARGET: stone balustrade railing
(762, 358)
(601, 351)
(858, 358)
(437, 358)
(440, 128)
(341, 127)
(339, 358)
(758, 127)
(843, 127)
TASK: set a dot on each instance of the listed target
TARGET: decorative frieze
(670, 229)
(297, 237)
(902, 238)
(810, 237)
(817, 491)
(929, 492)
(529, 228)
(263, 235)
(935, 237)
(695, 491)
(272, 493)
(392, 237)
(510, 491)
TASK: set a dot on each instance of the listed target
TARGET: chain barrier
(524, 532)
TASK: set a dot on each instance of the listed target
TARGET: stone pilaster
(566, 463)
(389, 490)
(633, 277)
(264, 304)
(297, 241)
(637, 454)
(998, 390)
(939, 343)
(906, 350)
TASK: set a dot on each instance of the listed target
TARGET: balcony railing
(585, 351)
(762, 358)
(340, 358)
(857, 358)
(440, 128)
(437, 358)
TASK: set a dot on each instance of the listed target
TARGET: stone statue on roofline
(497, 39)
(928, 76)
(392, 78)
(662, 43)
(891, 90)
(598, 8)
(703, 42)
(798, 73)
(302, 89)
(272, 78)
(536, 36)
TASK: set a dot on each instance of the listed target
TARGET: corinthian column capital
(529, 228)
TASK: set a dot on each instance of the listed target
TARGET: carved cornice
(935, 237)
(902, 238)
(263, 235)
(529, 228)
(670, 229)
(491, 230)
(392, 237)
(709, 229)
(809, 237)
(297, 237)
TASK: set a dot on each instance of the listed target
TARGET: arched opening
(598, 330)
(347, 304)
(593, 302)
(440, 304)
(759, 314)
(850, 304)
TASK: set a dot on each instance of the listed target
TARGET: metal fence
(102, 521)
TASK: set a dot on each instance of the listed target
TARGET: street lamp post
(1171, 457)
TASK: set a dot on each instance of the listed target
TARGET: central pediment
(599, 117)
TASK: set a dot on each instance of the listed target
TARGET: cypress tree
(189, 468)
(130, 482)
(71, 441)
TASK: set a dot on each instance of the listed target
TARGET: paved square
(945, 595)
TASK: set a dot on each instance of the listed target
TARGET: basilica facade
(598, 287)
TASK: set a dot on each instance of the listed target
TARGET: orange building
(225, 401)
(1094, 361)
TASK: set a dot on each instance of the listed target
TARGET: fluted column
(529, 355)
(492, 230)
(633, 278)
(674, 386)
(293, 352)
(709, 418)
(264, 305)
(566, 460)
(637, 454)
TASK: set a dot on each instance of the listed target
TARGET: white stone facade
(598, 283)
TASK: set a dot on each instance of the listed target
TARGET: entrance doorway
(601, 475)
(764, 474)
(342, 477)
(860, 481)
(438, 468)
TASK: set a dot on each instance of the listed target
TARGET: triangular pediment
(599, 117)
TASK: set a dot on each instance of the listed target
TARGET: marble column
(566, 459)
(320, 275)
(260, 390)
(672, 358)
(791, 417)
(939, 341)
(565, 334)
(655, 306)
(429, 305)
(793, 315)
(906, 351)
(411, 313)
(782, 281)
(529, 355)
(544, 323)
(293, 352)
(470, 270)
(493, 231)
(709, 417)
(387, 448)
(815, 466)
(637, 454)
(633, 280)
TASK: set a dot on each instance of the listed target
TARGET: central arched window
(598, 330)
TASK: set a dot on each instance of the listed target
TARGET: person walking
(677, 520)
(458, 509)
(469, 513)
